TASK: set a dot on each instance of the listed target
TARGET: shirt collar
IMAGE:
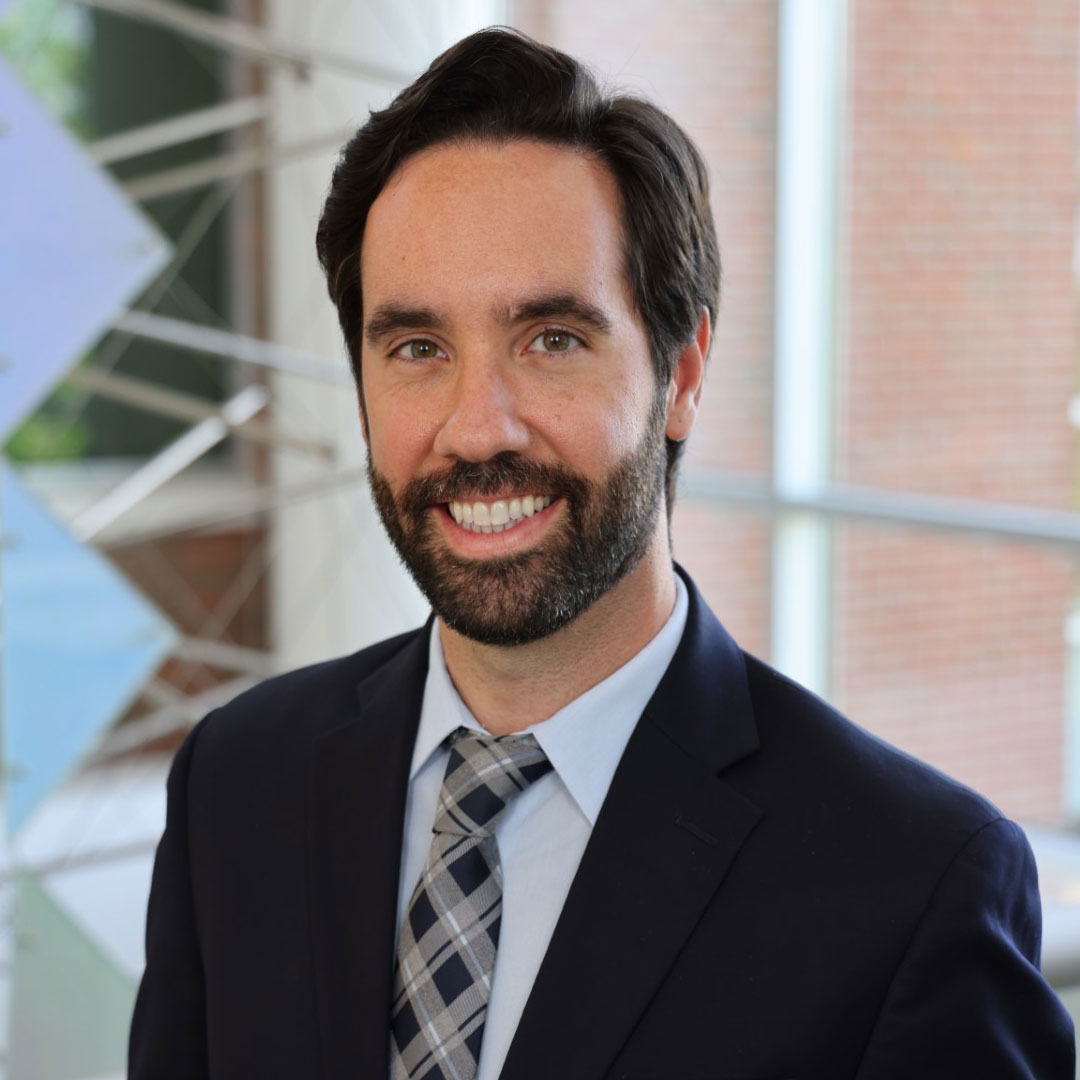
(442, 712)
(586, 738)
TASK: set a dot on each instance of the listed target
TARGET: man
(687, 866)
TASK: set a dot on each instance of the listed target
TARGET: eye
(554, 340)
(418, 349)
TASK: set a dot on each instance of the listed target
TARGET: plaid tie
(446, 955)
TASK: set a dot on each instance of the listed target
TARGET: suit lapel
(668, 831)
(359, 783)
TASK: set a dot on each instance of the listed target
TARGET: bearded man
(567, 829)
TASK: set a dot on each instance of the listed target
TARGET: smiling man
(567, 829)
(514, 417)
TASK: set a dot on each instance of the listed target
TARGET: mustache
(506, 469)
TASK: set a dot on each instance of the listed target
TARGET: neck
(509, 688)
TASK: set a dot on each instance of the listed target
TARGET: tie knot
(483, 774)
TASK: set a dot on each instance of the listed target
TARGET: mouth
(497, 515)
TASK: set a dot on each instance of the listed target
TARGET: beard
(519, 598)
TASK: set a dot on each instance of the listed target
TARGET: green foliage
(47, 43)
(53, 433)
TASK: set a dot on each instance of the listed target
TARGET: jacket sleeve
(168, 1030)
(968, 998)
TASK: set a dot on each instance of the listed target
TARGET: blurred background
(880, 498)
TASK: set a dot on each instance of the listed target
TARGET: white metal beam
(179, 129)
(852, 502)
(233, 346)
(224, 654)
(171, 461)
(259, 500)
(234, 164)
(245, 40)
(152, 397)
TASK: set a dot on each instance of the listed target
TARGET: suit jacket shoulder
(823, 760)
(293, 709)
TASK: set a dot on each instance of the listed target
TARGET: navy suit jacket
(770, 893)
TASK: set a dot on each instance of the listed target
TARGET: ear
(687, 379)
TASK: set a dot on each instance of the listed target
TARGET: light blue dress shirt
(543, 833)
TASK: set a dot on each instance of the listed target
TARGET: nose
(483, 415)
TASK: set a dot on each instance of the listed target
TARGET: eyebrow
(390, 318)
(563, 305)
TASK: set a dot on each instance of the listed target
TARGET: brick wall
(958, 371)
(957, 347)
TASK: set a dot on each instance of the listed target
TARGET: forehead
(487, 219)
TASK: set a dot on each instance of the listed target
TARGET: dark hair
(499, 84)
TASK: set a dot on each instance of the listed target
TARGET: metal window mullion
(812, 46)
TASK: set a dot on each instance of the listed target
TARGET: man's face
(514, 424)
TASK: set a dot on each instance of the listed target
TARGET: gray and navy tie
(446, 955)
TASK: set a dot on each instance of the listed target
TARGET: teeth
(498, 516)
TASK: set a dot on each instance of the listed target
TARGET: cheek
(402, 439)
(398, 428)
(596, 437)
(395, 447)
